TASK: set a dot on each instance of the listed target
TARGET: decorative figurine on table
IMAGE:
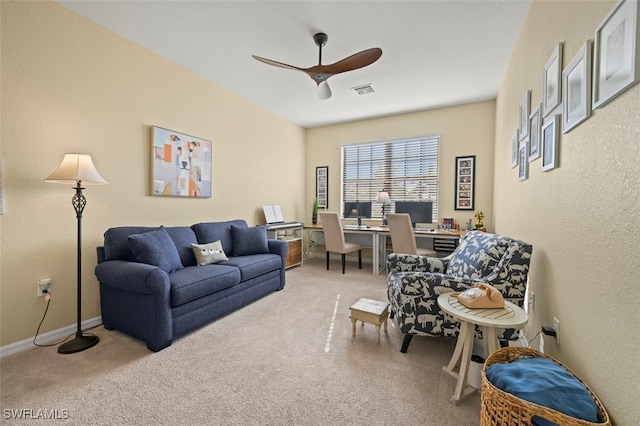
(479, 224)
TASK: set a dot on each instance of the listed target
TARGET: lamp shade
(76, 168)
(383, 197)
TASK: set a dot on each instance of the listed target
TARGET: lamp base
(78, 344)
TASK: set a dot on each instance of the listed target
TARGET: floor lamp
(78, 170)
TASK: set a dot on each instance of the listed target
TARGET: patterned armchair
(414, 282)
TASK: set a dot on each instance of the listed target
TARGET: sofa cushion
(477, 255)
(248, 241)
(207, 254)
(155, 248)
(183, 237)
(116, 246)
(208, 232)
(194, 282)
(254, 265)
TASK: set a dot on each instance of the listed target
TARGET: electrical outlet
(556, 327)
(541, 344)
(531, 301)
(44, 287)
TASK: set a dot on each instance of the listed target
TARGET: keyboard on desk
(284, 225)
(355, 227)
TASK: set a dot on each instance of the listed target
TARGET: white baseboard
(47, 338)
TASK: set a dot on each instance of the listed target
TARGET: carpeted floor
(287, 359)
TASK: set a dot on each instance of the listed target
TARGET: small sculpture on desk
(314, 212)
(479, 225)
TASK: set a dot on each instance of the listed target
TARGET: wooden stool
(372, 312)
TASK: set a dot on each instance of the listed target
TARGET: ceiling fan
(321, 73)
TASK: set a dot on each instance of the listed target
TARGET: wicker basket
(502, 408)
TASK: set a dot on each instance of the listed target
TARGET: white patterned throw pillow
(207, 254)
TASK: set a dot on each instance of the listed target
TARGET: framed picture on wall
(525, 106)
(465, 182)
(322, 186)
(576, 89)
(616, 63)
(534, 137)
(181, 164)
(550, 136)
(514, 149)
(523, 164)
(551, 81)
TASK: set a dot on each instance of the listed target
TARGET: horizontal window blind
(407, 169)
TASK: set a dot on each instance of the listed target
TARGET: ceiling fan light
(324, 91)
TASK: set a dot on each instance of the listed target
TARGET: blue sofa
(154, 288)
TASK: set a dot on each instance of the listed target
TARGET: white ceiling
(435, 53)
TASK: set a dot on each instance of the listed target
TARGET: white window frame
(406, 168)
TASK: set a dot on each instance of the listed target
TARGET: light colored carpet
(287, 359)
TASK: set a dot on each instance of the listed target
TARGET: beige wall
(582, 218)
(69, 85)
(463, 130)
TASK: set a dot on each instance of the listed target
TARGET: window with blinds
(407, 169)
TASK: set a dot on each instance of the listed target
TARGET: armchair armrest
(431, 285)
(398, 262)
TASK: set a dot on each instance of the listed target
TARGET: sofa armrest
(397, 262)
(135, 299)
(280, 247)
(133, 277)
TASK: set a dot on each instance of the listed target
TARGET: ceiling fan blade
(350, 63)
(320, 73)
(324, 91)
(277, 64)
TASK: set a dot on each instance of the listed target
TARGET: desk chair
(403, 239)
(334, 239)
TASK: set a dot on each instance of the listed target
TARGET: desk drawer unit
(445, 246)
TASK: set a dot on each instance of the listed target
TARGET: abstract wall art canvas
(181, 164)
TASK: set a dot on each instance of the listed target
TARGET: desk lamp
(77, 169)
(354, 212)
(383, 197)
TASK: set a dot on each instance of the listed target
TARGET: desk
(379, 236)
(511, 316)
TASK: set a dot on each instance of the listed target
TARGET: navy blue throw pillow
(155, 248)
(249, 240)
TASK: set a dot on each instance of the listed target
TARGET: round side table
(511, 316)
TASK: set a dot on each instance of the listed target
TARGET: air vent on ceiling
(364, 89)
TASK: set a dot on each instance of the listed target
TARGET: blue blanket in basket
(544, 382)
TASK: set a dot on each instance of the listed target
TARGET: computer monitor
(357, 209)
(419, 211)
